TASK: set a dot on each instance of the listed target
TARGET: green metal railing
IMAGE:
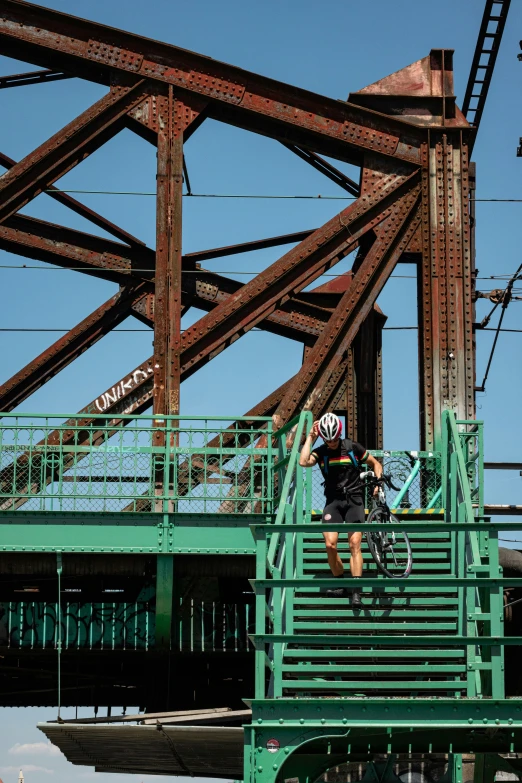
(477, 552)
(103, 625)
(201, 626)
(213, 626)
(184, 464)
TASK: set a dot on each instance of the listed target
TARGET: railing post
(261, 607)
(496, 613)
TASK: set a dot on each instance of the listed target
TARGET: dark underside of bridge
(108, 656)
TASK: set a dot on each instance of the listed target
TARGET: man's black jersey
(341, 467)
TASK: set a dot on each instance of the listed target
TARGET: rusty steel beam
(93, 51)
(246, 247)
(66, 247)
(316, 376)
(258, 299)
(32, 77)
(366, 382)
(446, 350)
(294, 271)
(321, 165)
(297, 319)
(42, 167)
(81, 209)
(174, 117)
(49, 363)
(360, 394)
(46, 237)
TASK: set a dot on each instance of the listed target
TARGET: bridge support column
(164, 601)
(446, 357)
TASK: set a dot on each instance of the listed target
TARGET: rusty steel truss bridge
(176, 562)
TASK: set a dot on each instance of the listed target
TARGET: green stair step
(373, 685)
(368, 612)
(417, 568)
(391, 626)
(419, 557)
(426, 670)
(367, 591)
(418, 536)
(385, 602)
(380, 653)
(343, 546)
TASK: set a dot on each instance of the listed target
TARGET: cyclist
(340, 461)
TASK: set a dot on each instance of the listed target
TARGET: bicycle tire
(383, 558)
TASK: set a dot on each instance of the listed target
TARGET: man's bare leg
(334, 561)
(356, 560)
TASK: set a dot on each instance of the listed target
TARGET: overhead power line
(149, 270)
(46, 329)
(506, 298)
(317, 197)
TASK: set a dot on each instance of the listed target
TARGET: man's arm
(374, 465)
(306, 459)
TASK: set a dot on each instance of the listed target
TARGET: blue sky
(341, 49)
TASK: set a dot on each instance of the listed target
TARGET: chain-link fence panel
(135, 465)
(424, 469)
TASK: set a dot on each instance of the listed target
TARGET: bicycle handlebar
(383, 479)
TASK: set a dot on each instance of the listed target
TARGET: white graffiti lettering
(110, 397)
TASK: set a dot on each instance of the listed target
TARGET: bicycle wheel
(390, 551)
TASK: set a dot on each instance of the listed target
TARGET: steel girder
(406, 133)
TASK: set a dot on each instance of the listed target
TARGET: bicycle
(391, 550)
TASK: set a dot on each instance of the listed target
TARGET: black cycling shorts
(338, 510)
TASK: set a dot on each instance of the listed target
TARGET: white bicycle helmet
(330, 426)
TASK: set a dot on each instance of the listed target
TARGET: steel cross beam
(255, 302)
(31, 77)
(93, 51)
(318, 373)
(293, 272)
(38, 170)
(69, 347)
(298, 318)
(68, 248)
(81, 209)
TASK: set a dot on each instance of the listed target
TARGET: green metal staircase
(409, 638)
(372, 668)
(419, 668)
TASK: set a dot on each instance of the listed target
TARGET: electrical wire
(505, 302)
(385, 328)
(248, 195)
(212, 272)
